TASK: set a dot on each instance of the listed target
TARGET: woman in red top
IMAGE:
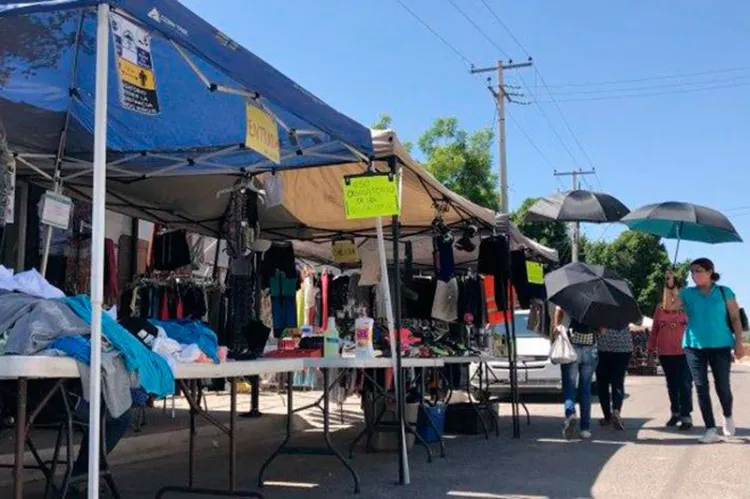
(666, 340)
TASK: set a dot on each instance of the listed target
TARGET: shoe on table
(570, 428)
(710, 437)
(673, 421)
(585, 434)
(686, 423)
(729, 428)
(605, 422)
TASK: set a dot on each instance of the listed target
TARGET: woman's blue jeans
(576, 380)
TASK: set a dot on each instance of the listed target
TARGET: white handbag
(562, 351)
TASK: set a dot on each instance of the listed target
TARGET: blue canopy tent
(137, 89)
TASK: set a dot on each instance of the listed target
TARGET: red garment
(667, 332)
(164, 311)
(324, 291)
(180, 311)
(111, 290)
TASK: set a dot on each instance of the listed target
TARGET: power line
(530, 140)
(649, 78)
(653, 87)
(436, 34)
(544, 83)
(478, 28)
(647, 94)
(507, 30)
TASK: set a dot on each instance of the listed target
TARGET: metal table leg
(20, 438)
(329, 450)
(194, 394)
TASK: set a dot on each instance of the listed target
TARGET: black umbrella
(578, 206)
(593, 295)
(683, 221)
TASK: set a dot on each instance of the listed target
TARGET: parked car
(536, 374)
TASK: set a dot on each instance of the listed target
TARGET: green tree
(639, 257)
(384, 122)
(551, 234)
(461, 161)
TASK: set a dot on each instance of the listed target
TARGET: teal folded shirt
(707, 318)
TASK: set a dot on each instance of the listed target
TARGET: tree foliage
(551, 234)
(461, 161)
(642, 259)
(385, 122)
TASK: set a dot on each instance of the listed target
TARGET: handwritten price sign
(371, 195)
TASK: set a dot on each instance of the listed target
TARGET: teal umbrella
(683, 222)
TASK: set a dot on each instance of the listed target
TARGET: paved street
(644, 461)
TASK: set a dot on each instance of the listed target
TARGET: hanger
(245, 183)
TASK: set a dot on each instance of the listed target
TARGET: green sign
(535, 272)
(371, 195)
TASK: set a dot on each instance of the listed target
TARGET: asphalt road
(645, 461)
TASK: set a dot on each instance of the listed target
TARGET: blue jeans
(577, 377)
(720, 360)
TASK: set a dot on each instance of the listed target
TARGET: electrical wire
(478, 28)
(544, 84)
(654, 87)
(650, 78)
(445, 42)
(530, 140)
(649, 94)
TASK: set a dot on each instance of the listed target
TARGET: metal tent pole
(97, 243)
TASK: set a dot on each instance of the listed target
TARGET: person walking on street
(577, 376)
(615, 349)
(713, 329)
(665, 341)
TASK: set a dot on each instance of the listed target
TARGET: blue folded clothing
(188, 332)
(153, 371)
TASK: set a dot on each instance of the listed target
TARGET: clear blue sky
(368, 57)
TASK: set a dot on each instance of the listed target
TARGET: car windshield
(522, 327)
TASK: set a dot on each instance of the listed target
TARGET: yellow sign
(345, 251)
(535, 272)
(371, 195)
(136, 75)
(262, 134)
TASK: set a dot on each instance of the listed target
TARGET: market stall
(97, 77)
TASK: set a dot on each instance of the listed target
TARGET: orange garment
(494, 314)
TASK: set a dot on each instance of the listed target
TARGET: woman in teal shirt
(709, 340)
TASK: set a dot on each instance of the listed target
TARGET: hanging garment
(445, 306)
(368, 254)
(111, 288)
(240, 226)
(494, 314)
(171, 251)
(242, 296)
(525, 291)
(278, 258)
(7, 169)
(443, 257)
(324, 298)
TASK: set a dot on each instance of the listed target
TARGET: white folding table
(24, 368)
(326, 366)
